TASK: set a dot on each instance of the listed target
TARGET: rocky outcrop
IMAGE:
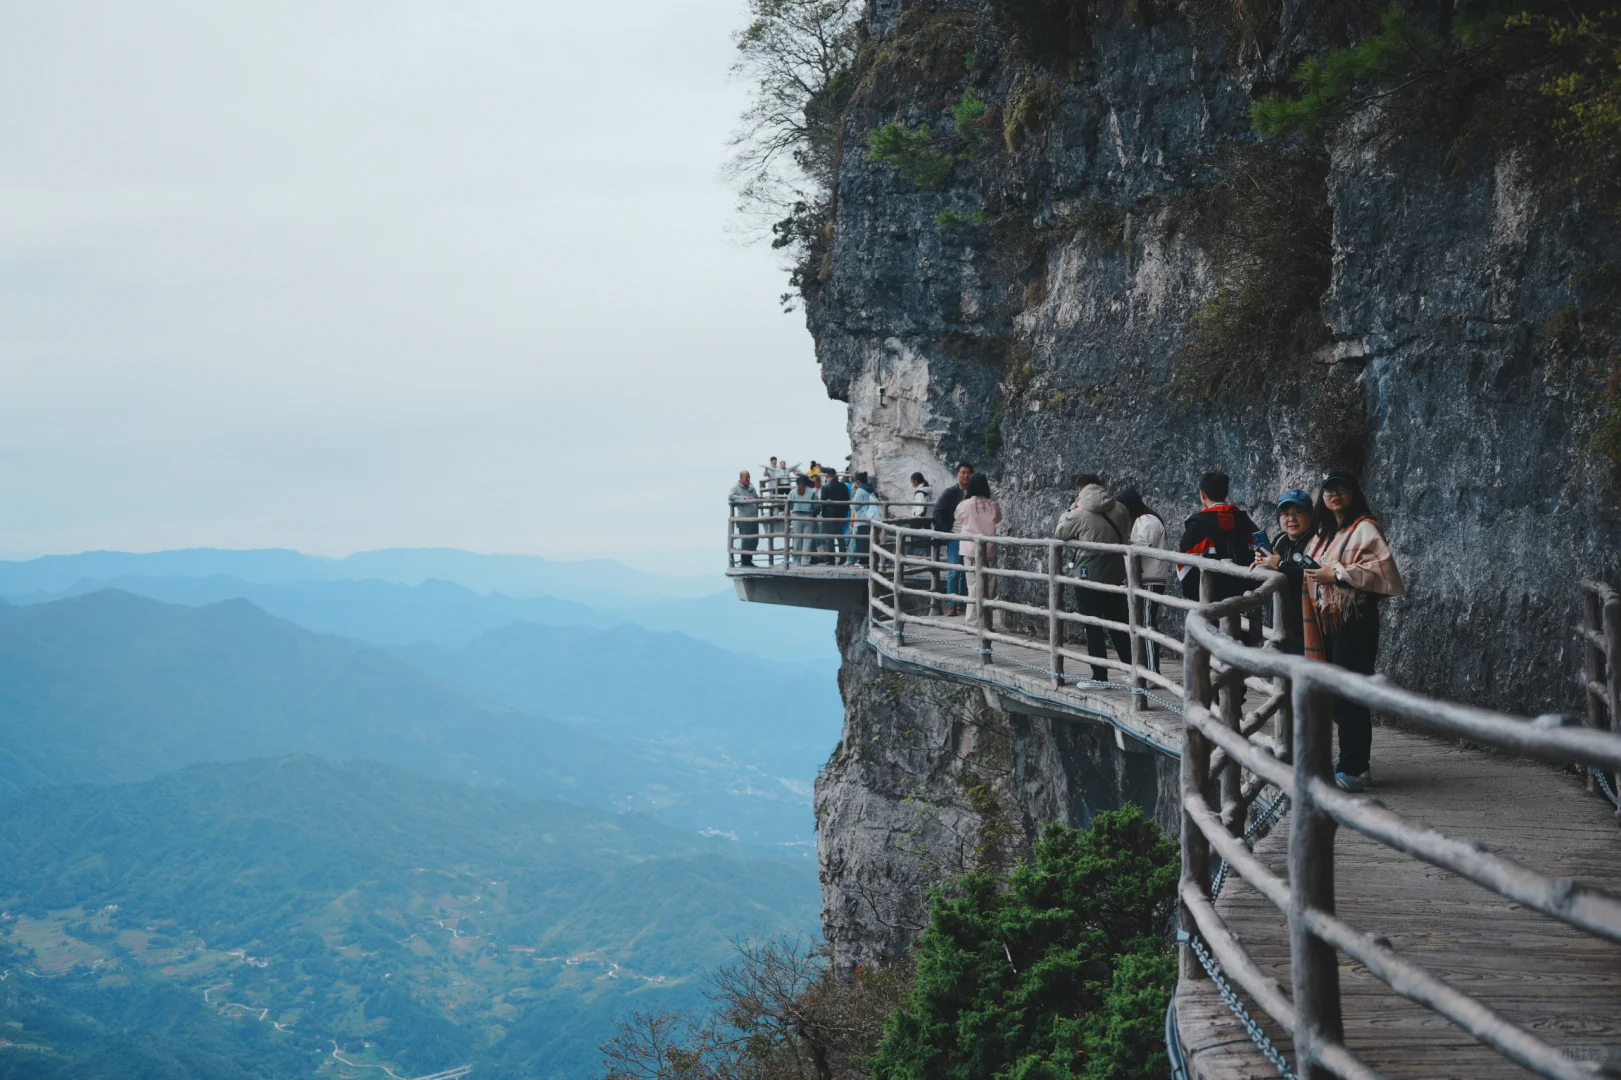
(1041, 342)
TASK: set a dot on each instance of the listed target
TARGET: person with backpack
(1353, 571)
(1220, 530)
(1096, 516)
(1148, 530)
(1288, 557)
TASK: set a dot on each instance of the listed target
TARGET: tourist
(1218, 531)
(1288, 556)
(802, 519)
(1148, 530)
(1096, 517)
(835, 513)
(745, 503)
(977, 514)
(944, 517)
(922, 499)
(867, 509)
(1340, 608)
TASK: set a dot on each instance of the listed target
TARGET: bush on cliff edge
(1064, 974)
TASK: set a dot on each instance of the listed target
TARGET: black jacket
(837, 491)
(945, 508)
(1218, 532)
(1292, 567)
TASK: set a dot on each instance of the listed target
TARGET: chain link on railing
(1604, 785)
(1262, 1041)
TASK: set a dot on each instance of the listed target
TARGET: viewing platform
(1462, 919)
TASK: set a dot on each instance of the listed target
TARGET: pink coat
(978, 516)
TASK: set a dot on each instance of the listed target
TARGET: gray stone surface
(1444, 275)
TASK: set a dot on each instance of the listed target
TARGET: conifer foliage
(1063, 974)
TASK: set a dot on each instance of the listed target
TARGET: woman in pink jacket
(1340, 607)
(978, 515)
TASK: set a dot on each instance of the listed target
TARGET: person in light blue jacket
(867, 509)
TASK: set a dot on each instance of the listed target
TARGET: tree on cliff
(1064, 974)
(799, 55)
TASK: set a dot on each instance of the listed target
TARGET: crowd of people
(818, 515)
(1336, 563)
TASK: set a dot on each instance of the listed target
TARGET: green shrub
(1062, 974)
(967, 116)
(952, 219)
(910, 152)
(1030, 110)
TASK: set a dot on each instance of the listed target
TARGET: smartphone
(1263, 543)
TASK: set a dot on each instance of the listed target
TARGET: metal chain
(1604, 782)
(1230, 996)
(1257, 831)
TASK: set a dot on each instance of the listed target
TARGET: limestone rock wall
(1037, 360)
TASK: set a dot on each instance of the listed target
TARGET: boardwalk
(1560, 983)
(1482, 884)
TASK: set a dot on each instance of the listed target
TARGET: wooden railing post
(900, 579)
(1232, 718)
(1612, 649)
(1283, 728)
(1594, 665)
(1313, 963)
(1195, 784)
(980, 614)
(1055, 603)
(1134, 620)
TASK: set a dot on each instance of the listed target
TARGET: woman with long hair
(1352, 571)
(979, 515)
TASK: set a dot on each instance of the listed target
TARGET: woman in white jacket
(1148, 530)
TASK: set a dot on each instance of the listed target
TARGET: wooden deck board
(1559, 983)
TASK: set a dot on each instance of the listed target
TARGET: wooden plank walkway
(1020, 671)
(1561, 984)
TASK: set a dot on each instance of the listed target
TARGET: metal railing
(1310, 1010)
(781, 532)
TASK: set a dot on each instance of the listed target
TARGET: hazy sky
(342, 274)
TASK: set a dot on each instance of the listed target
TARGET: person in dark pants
(944, 517)
(1288, 556)
(836, 515)
(1354, 571)
(1095, 516)
(745, 503)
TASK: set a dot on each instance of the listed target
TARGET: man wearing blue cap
(1288, 555)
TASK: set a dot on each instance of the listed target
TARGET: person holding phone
(1286, 553)
(1354, 570)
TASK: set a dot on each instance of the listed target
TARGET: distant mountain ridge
(514, 575)
(110, 687)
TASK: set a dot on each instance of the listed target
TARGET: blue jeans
(956, 580)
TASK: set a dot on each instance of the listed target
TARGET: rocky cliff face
(1039, 340)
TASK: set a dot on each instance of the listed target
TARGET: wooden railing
(1305, 897)
(1025, 586)
(1229, 757)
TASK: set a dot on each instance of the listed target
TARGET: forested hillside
(415, 923)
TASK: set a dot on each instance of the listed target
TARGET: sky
(347, 274)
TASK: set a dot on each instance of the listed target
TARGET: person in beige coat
(1095, 516)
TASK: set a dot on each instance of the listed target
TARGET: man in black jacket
(1219, 531)
(835, 514)
(945, 520)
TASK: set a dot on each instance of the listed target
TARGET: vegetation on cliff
(1061, 971)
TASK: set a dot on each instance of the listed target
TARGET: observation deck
(1462, 920)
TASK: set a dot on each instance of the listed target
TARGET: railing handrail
(1306, 897)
